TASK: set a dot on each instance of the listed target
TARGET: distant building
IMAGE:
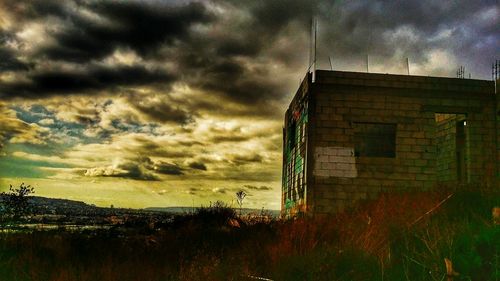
(349, 136)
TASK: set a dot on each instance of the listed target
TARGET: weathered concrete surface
(446, 134)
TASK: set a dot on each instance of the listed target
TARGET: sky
(179, 103)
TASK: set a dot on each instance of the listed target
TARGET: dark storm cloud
(33, 9)
(237, 47)
(237, 85)
(230, 53)
(8, 61)
(162, 111)
(270, 17)
(204, 60)
(215, 61)
(93, 78)
(140, 26)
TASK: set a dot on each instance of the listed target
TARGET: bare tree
(240, 195)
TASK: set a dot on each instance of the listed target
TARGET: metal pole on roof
(310, 46)
(493, 71)
(367, 70)
(330, 60)
(315, 38)
(408, 65)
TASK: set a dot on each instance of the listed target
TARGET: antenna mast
(461, 72)
(312, 47)
(315, 40)
(495, 74)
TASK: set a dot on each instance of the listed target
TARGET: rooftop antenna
(461, 72)
(408, 65)
(312, 47)
(330, 60)
(315, 40)
(493, 71)
(495, 67)
(367, 70)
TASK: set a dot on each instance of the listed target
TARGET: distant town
(46, 213)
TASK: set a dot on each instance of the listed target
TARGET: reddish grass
(215, 252)
(367, 228)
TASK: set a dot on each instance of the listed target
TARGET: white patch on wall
(335, 162)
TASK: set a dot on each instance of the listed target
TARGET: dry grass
(376, 241)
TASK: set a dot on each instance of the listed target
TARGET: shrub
(16, 201)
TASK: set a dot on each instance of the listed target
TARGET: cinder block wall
(337, 178)
(446, 165)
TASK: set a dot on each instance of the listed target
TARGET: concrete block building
(348, 136)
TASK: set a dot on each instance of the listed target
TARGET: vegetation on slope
(403, 236)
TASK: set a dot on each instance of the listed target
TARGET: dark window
(375, 139)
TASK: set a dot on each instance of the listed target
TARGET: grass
(385, 239)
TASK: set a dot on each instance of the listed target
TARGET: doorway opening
(452, 148)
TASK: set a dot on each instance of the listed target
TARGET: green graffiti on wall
(298, 164)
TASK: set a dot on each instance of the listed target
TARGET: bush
(16, 201)
(217, 214)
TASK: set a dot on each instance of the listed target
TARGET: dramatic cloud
(138, 169)
(17, 131)
(104, 25)
(161, 110)
(92, 78)
(110, 171)
(8, 62)
(462, 31)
